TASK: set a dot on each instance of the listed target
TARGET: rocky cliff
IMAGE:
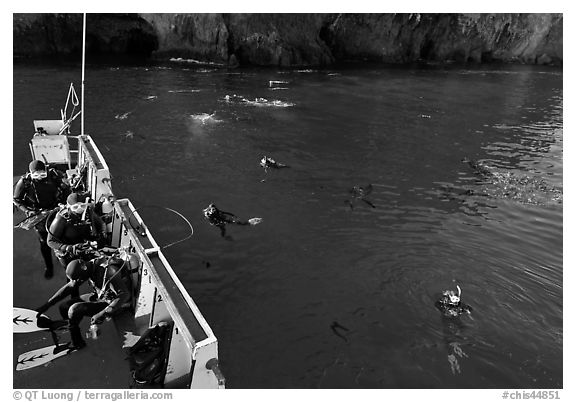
(298, 39)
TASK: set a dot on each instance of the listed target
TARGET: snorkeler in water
(450, 304)
(219, 218)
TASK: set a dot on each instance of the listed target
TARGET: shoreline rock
(297, 40)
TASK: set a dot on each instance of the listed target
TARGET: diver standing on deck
(41, 190)
(110, 293)
(73, 228)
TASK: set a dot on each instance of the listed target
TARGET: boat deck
(190, 352)
(102, 364)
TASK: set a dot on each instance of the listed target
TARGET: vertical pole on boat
(83, 63)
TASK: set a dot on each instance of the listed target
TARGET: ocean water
(335, 290)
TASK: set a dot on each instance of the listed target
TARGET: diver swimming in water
(480, 169)
(452, 307)
(220, 218)
(269, 163)
(450, 304)
(360, 193)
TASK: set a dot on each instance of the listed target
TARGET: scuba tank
(107, 209)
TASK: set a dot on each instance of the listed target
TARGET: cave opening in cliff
(427, 50)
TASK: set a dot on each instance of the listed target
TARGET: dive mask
(78, 208)
(39, 175)
(454, 299)
(452, 296)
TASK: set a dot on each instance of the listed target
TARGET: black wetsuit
(269, 163)
(114, 296)
(68, 229)
(359, 193)
(452, 310)
(33, 196)
(220, 218)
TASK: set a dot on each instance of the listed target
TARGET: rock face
(253, 39)
(278, 39)
(61, 34)
(196, 36)
(299, 39)
(402, 38)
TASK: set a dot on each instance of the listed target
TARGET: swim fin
(254, 221)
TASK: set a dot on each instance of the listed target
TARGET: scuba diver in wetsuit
(36, 192)
(110, 293)
(220, 218)
(269, 163)
(360, 193)
(73, 228)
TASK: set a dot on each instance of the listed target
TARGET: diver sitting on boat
(220, 218)
(74, 229)
(450, 304)
(36, 194)
(110, 294)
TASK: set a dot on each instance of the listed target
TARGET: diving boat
(189, 357)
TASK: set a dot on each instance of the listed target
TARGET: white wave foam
(272, 83)
(259, 102)
(262, 102)
(122, 116)
(192, 61)
(181, 91)
(205, 118)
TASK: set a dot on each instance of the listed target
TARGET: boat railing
(161, 297)
(157, 293)
(98, 180)
(50, 148)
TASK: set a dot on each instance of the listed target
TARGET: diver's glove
(78, 248)
(96, 320)
(254, 221)
(99, 318)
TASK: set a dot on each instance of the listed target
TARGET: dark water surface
(272, 294)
